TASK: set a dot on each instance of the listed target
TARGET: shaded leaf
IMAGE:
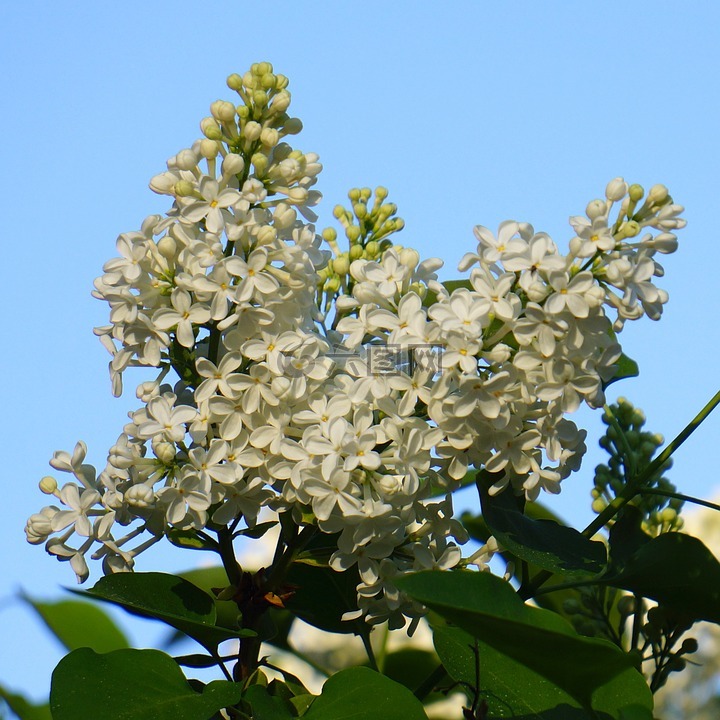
(79, 624)
(543, 543)
(190, 540)
(409, 666)
(168, 598)
(265, 706)
(363, 694)
(594, 672)
(676, 570)
(132, 685)
(626, 368)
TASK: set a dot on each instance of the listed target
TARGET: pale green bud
(260, 98)
(381, 193)
(329, 234)
(598, 505)
(262, 68)
(186, 160)
(352, 233)
(267, 235)
(341, 264)
(629, 229)
(372, 249)
(223, 111)
(298, 194)
(365, 194)
(252, 131)
(354, 195)
(332, 285)
(398, 224)
(281, 82)
(636, 192)
(668, 515)
(209, 149)
(48, 485)
(268, 81)
(339, 211)
(360, 210)
(419, 289)
(281, 101)
(260, 162)
(269, 137)
(234, 82)
(243, 111)
(210, 128)
(658, 195)
(184, 188)
(356, 252)
(164, 451)
(249, 80)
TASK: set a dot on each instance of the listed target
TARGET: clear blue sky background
(473, 112)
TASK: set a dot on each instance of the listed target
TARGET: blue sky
(473, 112)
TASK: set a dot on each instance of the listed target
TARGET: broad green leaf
(207, 578)
(676, 570)
(79, 624)
(510, 688)
(321, 596)
(409, 666)
(363, 694)
(590, 670)
(450, 286)
(265, 706)
(132, 685)
(543, 543)
(22, 708)
(168, 598)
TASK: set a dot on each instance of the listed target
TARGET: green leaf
(409, 666)
(544, 543)
(168, 598)
(23, 708)
(265, 706)
(509, 688)
(626, 368)
(363, 694)
(207, 578)
(594, 672)
(190, 540)
(321, 596)
(79, 624)
(676, 570)
(132, 685)
(450, 286)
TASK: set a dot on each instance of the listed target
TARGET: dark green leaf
(626, 536)
(265, 706)
(23, 708)
(594, 672)
(409, 666)
(168, 598)
(132, 685)
(626, 368)
(450, 286)
(322, 595)
(257, 531)
(195, 661)
(362, 694)
(79, 624)
(190, 540)
(207, 578)
(510, 688)
(543, 543)
(676, 570)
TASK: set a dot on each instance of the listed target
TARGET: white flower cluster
(231, 292)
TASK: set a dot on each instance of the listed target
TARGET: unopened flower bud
(210, 129)
(616, 189)
(269, 137)
(329, 234)
(48, 485)
(332, 285)
(223, 111)
(281, 101)
(595, 209)
(167, 247)
(260, 162)
(268, 81)
(209, 149)
(636, 192)
(267, 235)
(298, 194)
(284, 216)
(260, 98)
(668, 515)
(599, 505)
(252, 131)
(352, 232)
(233, 164)
(341, 264)
(356, 252)
(658, 194)
(409, 257)
(629, 229)
(184, 188)
(360, 210)
(689, 645)
(372, 248)
(164, 451)
(234, 82)
(186, 160)
(140, 496)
